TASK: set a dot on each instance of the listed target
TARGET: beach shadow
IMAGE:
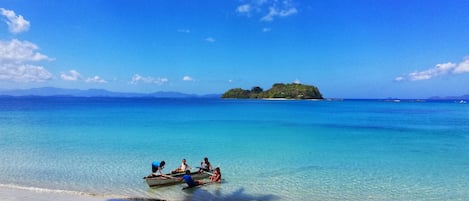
(238, 195)
(200, 194)
(135, 199)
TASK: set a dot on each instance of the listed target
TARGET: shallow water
(267, 150)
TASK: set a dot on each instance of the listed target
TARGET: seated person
(181, 168)
(205, 166)
(216, 177)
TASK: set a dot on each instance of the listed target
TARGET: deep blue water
(267, 150)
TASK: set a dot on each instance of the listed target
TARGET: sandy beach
(15, 193)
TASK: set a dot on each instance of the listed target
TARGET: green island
(278, 91)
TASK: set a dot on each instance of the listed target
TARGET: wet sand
(14, 193)
(9, 193)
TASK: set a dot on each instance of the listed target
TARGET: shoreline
(21, 193)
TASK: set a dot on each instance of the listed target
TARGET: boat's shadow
(238, 195)
(199, 194)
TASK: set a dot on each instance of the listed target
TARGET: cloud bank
(16, 23)
(438, 70)
(20, 51)
(23, 73)
(15, 57)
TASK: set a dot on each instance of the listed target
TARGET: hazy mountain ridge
(463, 97)
(53, 91)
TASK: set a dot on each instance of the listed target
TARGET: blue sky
(347, 48)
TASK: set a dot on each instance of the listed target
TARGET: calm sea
(267, 150)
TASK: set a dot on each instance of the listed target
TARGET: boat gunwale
(172, 181)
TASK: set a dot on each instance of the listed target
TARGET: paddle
(165, 175)
(209, 173)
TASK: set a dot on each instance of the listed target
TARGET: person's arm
(159, 170)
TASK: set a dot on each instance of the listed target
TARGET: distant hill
(463, 97)
(278, 91)
(52, 91)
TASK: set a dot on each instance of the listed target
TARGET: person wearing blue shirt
(189, 181)
(156, 167)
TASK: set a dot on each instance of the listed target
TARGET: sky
(347, 48)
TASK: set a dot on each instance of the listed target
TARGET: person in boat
(156, 167)
(189, 181)
(216, 177)
(182, 168)
(205, 166)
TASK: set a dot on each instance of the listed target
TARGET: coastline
(20, 193)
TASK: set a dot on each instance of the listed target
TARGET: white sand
(11, 193)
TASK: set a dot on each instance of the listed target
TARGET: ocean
(266, 149)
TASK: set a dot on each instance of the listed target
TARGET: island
(278, 91)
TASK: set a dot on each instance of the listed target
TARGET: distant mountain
(463, 97)
(52, 91)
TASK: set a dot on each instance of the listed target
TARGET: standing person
(189, 181)
(205, 165)
(182, 168)
(216, 177)
(156, 167)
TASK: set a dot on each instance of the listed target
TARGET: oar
(209, 173)
(165, 175)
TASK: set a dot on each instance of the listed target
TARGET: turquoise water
(267, 150)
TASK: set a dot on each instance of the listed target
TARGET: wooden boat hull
(166, 181)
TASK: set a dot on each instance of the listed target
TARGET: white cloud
(16, 23)
(278, 12)
(14, 58)
(462, 67)
(266, 30)
(95, 79)
(23, 73)
(210, 40)
(268, 10)
(15, 55)
(148, 80)
(187, 78)
(438, 70)
(73, 75)
(297, 81)
(20, 51)
(399, 78)
(245, 8)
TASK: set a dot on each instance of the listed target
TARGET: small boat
(172, 179)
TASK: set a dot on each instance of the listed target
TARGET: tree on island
(278, 90)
